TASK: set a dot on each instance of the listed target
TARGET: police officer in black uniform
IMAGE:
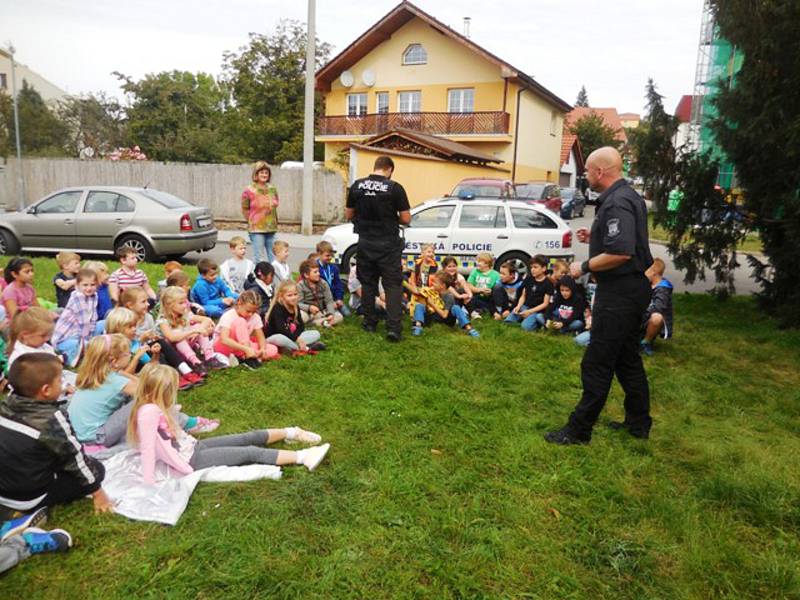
(619, 254)
(377, 206)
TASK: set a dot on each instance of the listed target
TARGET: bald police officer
(377, 206)
(619, 254)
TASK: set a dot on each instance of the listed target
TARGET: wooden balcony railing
(437, 123)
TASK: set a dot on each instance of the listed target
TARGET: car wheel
(8, 243)
(144, 251)
(347, 259)
(518, 259)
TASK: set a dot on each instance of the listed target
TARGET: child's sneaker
(233, 361)
(416, 330)
(317, 347)
(215, 364)
(204, 425)
(194, 378)
(20, 524)
(473, 333)
(311, 457)
(251, 363)
(475, 315)
(200, 369)
(39, 540)
(184, 384)
(296, 434)
(646, 348)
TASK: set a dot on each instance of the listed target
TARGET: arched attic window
(415, 54)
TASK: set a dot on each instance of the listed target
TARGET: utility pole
(308, 124)
(21, 186)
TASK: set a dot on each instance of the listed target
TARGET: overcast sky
(610, 47)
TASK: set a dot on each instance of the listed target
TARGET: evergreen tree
(583, 97)
(41, 132)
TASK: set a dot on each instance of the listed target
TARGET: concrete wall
(218, 187)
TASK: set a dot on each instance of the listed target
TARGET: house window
(382, 103)
(356, 105)
(3, 81)
(461, 100)
(409, 102)
(415, 54)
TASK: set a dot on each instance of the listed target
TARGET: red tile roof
(568, 141)
(609, 115)
(684, 109)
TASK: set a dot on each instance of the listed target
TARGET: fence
(215, 186)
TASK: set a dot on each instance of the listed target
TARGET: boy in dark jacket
(41, 461)
(566, 311)
(657, 320)
(330, 273)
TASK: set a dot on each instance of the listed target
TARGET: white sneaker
(301, 435)
(475, 315)
(233, 361)
(313, 456)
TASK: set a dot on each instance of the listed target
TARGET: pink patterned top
(260, 204)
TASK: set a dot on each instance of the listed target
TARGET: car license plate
(204, 221)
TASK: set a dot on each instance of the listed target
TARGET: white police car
(508, 229)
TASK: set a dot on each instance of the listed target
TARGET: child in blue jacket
(209, 291)
(330, 273)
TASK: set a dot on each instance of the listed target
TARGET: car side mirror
(32, 210)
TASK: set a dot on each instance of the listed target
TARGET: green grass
(751, 243)
(439, 484)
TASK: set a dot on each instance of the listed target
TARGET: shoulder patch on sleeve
(613, 227)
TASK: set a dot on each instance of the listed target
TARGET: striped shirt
(125, 279)
(77, 319)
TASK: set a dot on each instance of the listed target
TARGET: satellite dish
(368, 77)
(346, 79)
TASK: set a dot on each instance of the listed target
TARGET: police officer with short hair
(619, 254)
(377, 206)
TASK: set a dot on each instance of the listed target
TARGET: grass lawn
(439, 484)
(751, 242)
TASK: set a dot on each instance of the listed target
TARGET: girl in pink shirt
(240, 332)
(19, 294)
(153, 430)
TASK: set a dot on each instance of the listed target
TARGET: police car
(508, 229)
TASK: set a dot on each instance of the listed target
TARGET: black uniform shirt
(620, 227)
(377, 200)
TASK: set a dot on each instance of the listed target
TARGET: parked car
(102, 219)
(573, 204)
(473, 187)
(541, 192)
(591, 196)
(509, 229)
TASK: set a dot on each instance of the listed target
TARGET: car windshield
(530, 191)
(164, 199)
(479, 191)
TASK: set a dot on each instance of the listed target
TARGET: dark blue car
(573, 203)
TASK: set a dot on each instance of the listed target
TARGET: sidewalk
(295, 240)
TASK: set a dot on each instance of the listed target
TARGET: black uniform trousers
(614, 350)
(379, 260)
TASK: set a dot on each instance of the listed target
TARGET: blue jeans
(262, 246)
(574, 327)
(459, 312)
(71, 347)
(583, 339)
(529, 323)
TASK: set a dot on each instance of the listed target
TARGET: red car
(470, 188)
(541, 192)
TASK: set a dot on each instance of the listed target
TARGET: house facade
(411, 73)
(49, 92)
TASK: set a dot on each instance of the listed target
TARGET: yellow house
(442, 106)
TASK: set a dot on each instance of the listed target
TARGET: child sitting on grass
(356, 290)
(424, 267)
(457, 284)
(657, 320)
(104, 303)
(316, 301)
(535, 298)
(438, 306)
(76, 323)
(236, 270)
(181, 280)
(41, 461)
(507, 290)
(209, 291)
(64, 280)
(283, 271)
(481, 282)
(330, 273)
(19, 295)
(240, 333)
(129, 276)
(261, 282)
(152, 429)
(284, 325)
(189, 333)
(566, 312)
(170, 267)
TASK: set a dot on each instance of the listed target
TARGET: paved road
(300, 247)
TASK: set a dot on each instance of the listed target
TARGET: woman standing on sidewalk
(260, 210)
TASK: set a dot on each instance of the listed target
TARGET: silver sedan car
(103, 219)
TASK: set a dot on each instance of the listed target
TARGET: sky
(609, 47)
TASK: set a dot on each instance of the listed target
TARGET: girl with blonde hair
(153, 429)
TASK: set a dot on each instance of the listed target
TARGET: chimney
(466, 26)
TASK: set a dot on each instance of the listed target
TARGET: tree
(594, 133)
(41, 132)
(583, 97)
(265, 81)
(176, 115)
(94, 121)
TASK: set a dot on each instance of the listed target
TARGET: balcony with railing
(435, 123)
